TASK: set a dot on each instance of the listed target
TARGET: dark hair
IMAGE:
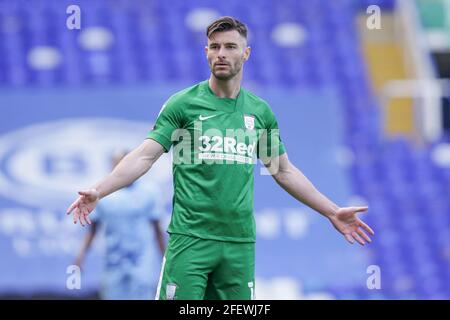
(225, 24)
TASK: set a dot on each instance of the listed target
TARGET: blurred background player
(374, 73)
(134, 242)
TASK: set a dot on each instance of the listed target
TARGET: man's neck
(225, 88)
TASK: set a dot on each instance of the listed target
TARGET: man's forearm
(132, 167)
(298, 186)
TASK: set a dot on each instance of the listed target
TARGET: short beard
(226, 77)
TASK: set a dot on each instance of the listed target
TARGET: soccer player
(212, 125)
(134, 241)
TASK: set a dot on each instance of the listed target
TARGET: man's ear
(206, 51)
(247, 53)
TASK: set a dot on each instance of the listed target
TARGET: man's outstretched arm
(131, 168)
(297, 185)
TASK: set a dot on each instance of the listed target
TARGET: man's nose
(222, 53)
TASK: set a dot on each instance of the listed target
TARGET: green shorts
(197, 269)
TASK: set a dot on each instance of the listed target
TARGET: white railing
(427, 95)
(424, 87)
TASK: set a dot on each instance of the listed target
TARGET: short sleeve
(270, 144)
(168, 121)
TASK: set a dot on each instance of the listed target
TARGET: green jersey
(215, 145)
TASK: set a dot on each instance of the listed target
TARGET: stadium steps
(385, 62)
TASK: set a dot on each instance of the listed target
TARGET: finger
(76, 215)
(73, 206)
(366, 227)
(358, 238)
(363, 235)
(349, 238)
(85, 192)
(82, 219)
(360, 209)
(87, 219)
(85, 214)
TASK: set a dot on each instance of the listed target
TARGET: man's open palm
(347, 222)
(84, 205)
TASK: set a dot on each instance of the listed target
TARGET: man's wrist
(98, 190)
(332, 212)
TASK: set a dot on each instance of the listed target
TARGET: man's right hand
(84, 205)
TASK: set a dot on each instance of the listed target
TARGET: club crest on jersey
(170, 291)
(249, 121)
